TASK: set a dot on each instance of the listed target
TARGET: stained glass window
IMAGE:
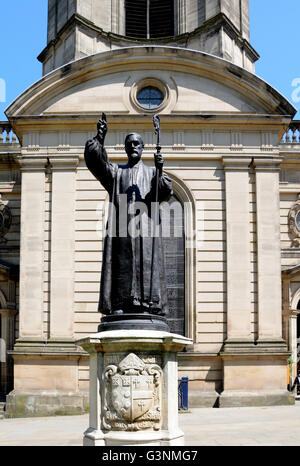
(172, 218)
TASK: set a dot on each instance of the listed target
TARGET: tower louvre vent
(148, 19)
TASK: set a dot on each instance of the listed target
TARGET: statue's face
(134, 147)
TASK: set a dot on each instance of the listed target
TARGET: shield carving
(132, 395)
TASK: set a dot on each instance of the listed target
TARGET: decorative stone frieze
(266, 142)
(236, 141)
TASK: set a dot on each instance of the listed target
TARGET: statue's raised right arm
(96, 156)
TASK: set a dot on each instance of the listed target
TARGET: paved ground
(212, 427)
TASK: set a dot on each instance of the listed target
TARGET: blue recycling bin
(184, 393)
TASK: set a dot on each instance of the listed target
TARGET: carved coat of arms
(132, 395)
(5, 220)
(294, 222)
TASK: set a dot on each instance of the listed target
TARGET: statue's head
(134, 146)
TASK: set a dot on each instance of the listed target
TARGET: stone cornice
(291, 313)
(63, 163)
(267, 164)
(236, 163)
(291, 272)
(184, 121)
(161, 339)
(33, 164)
(32, 347)
(212, 24)
(56, 163)
(8, 153)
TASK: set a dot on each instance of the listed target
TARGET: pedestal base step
(133, 322)
(94, 437)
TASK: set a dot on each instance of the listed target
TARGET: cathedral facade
(231, 149)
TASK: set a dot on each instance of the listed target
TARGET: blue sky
(274, 27)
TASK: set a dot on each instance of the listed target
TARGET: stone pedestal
(133, 388)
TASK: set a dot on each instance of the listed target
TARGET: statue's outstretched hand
(102, 128)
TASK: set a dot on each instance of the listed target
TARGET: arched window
(149, 19)
(172, 220)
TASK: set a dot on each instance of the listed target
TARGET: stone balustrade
(292, 136)
(7, 136)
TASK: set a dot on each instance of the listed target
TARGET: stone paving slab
(264, 426)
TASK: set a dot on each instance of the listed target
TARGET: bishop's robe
(127, 258)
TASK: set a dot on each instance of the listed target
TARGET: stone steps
(2, 410)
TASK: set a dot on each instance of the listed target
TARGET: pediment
(195, 83)
(112, 93)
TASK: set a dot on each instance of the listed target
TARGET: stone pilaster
(254, 372)
(62, 248)
(238, 251)
(268, 252)
(32, 248)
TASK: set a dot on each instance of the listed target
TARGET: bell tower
(77, 28)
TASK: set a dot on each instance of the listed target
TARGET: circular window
(150, 97)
